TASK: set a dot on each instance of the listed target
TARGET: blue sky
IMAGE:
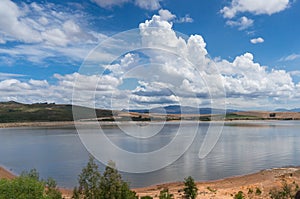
(254, 46)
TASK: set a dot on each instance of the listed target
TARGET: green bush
(190, 189)
(92, 185)
(258, 191)
(28, 186)
(250, 191)
(286, 191)
(164, 194)
(146, 197)
(239, 195)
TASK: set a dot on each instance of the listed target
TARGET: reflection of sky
(58, 152)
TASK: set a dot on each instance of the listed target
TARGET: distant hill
(43, 112)
(176, 109)
(47, 112)
(288, 110)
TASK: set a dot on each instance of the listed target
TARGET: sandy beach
(36, 124)
(220, 189)
(6, 174)
(226, 188)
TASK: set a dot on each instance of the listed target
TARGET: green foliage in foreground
(164, 194)
(146, 197)
(92, 185)
(28, 186)
(287, 191)
(190, 189)
(239, 195)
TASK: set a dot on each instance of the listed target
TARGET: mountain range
(177, 109)
(288, 110)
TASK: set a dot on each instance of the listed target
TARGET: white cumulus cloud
(144, 4)
(109, 3)
(255, 7)
(13, 26)
(44, 31)
(257, 40)
(169, 69)
(166, 15)
(242, 24)
(148, 4)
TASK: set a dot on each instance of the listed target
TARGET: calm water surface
(242, 148)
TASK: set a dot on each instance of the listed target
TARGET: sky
(241, 54)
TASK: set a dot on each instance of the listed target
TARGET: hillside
(263, 115)
(177, 109)
(42, 112)
(14, 112)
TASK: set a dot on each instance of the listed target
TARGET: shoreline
(36, 124)
(6, 173)
(106, 123)
(264, 181)
(226, 188)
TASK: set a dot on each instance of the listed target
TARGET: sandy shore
(105, 123)
(36, 124)
(219, 189)
(227, 188)
(6, 174)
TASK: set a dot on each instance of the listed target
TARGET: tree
(112, 185)
(28, 186)
(164, 194)
(52, 189)
(33, 174)
(89, 182)
(190, 189)
(76, 193)
(94, 186)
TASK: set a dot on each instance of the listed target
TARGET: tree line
(91, 185)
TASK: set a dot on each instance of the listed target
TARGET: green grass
(43, 112)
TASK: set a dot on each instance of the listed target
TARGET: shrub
(29, 186)
(190, 189)
(92, 185)
(146, 197)
(164, 194)
(286, 191)
(258, 191)
(250, 191)
(239, 195)
(211, 189)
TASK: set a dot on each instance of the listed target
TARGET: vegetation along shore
(270, 183)
(14, 114)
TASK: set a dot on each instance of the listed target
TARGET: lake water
(242, 148)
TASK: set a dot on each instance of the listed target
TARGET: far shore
(264, 181)
(56, 124)
(36, 124)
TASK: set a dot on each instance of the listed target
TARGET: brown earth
(36, 124)
(271, 115)
(227, 188)
(219, 189)
(6, 174)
